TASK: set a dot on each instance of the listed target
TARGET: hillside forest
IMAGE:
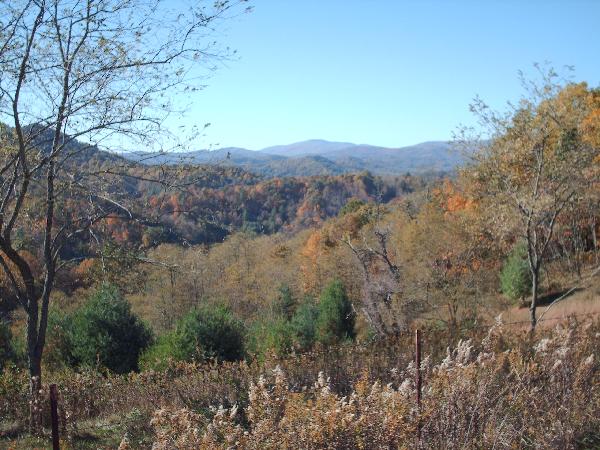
(186, 303)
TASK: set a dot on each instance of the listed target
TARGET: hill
(201, 197)
(320, 157)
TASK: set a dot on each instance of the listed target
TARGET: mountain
(229, 155)
(320, 157)
(311, 147)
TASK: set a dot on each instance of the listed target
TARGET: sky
(383, 72)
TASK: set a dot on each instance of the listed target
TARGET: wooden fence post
(54, 414)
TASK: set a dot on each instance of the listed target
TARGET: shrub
(208, 333)
(271, 335)
(160, 353)
(58, 352)
(335, 321)
(287, 328)
(106, 332)
(303, 324)
(515, 278)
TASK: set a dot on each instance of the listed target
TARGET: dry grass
(583, 303)
(542, 395)
(499, 390)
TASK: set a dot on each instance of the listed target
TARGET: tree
(285, 304)
(381, 270)
(515, 278)
(534, 163)
(201, 334)
(105, 332)
(335, 320)
(445, 248)
(102, 71)
(303, 324)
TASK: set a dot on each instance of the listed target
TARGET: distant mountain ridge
(320, 157)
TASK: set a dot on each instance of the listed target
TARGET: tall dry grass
(498, 390)
(527, 394)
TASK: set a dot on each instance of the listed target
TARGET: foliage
(160, 354)
(469, 390)
(541, 158)
(285, 303)
(59, 340)
(105, 332)
(335, 321)
(351, 206)
(272, 335)
(208, 332)
(515, 278)
(304, 324)
(287, 330)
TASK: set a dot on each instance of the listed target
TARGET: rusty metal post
(418, 381)
(418, 384)
(54, 415)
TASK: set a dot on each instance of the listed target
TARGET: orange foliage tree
(537, 163)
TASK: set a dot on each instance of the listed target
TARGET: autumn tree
(447, 254)
(101, 72)
(534, 162)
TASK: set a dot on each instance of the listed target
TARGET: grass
(583, 302)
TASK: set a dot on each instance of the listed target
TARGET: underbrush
(532, 395)
(497, 390)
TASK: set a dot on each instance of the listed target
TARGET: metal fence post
(418, 383)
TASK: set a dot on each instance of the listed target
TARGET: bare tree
(101, 71)
(384, 304)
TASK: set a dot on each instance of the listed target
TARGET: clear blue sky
(387, 72)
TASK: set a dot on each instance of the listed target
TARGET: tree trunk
(34, 356)
(535, 280)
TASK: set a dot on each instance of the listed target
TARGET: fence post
(418, 383)
(54, 414)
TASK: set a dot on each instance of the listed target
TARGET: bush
(286, 329)
(303, 325)
(335, 321)
(58, 351)
(515, 278)
(270, 335)
(158, 355)
(208, 333)
(106, 332)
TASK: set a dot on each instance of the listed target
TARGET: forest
(187, 305)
